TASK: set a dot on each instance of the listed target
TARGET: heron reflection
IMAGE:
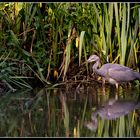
(111, 110)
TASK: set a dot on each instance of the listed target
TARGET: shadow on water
(71, 111)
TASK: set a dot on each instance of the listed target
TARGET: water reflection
(111, 110)
(63, 111)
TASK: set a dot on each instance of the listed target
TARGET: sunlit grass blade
(121, 127)
(123, 37)
(67, 52)
(83, 115)
(106, 128)
(133, 41)
(117, 25)
(76, 131)
(108, 25)
(67, 59)
(66, 114)
(81, 45)
(101, 124)
(103, 42)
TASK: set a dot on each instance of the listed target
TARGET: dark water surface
(73, 111)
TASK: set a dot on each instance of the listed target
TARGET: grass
(60, 33)
(47, 44)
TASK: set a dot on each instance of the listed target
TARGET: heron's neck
(95, 66)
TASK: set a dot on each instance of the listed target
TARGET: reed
(49, 37)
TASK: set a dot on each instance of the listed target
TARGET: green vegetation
(41, 43)
(47, 45)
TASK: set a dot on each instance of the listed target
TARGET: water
(69, 111)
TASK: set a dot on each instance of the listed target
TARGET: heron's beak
(89, 60)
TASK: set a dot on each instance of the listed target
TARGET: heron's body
(114, 73)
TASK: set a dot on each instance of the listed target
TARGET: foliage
(51, 37)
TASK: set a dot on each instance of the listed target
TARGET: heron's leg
(129, 84)
(117, 88)
(103, 81)
(103, 85)
(116, 96)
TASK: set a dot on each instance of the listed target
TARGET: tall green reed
(42, 32)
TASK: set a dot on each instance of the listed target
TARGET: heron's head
(93, 58)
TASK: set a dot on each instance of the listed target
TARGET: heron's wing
(115, 67)
(121, 74)
(109, 68)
